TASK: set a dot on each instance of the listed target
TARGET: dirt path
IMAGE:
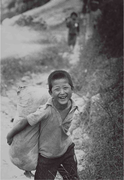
(8, 170)
(20, 42)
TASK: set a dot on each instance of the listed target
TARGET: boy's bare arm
(31, 119)
(19, 127)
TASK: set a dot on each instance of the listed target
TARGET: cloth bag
(24, 148)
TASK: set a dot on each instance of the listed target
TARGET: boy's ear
(50, 92)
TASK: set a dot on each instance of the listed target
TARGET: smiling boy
(56, 149)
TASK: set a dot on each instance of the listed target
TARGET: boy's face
(74, 16)
(61, 91)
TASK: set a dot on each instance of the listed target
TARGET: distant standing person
(72, 24)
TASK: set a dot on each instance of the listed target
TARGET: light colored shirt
(54, 139)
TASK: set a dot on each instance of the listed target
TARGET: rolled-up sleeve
(39, 115)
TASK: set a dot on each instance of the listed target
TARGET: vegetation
(12, 69)
(101, 72)
(12, 7)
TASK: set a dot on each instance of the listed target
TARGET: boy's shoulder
(74, 105)
(45, 106)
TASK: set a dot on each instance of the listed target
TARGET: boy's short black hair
(74, 13)
(59, 74)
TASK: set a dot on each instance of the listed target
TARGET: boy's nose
(62, 91)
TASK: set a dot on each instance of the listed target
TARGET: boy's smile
(61, 93)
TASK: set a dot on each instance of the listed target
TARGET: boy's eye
(56, 89)
(66, 88)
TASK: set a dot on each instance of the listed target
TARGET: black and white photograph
(61, 95)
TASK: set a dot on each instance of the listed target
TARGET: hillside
(13, 7)
(32, 34)
(35, 43)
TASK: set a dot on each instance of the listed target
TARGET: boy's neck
(63, 106)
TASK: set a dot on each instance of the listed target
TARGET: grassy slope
(101, 72)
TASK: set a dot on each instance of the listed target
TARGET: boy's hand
(9, 139)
